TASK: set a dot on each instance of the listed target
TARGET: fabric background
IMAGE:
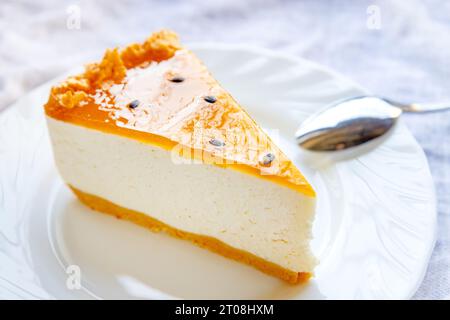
(404, 53)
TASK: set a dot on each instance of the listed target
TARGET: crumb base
(207, 242)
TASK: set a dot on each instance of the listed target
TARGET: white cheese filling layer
(266, 219)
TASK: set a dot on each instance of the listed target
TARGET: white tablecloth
(397, 48)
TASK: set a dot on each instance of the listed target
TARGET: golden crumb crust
(207, 242)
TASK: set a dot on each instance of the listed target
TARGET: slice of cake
(148, 135)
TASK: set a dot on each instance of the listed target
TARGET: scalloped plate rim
(313, 65)
(339, 76)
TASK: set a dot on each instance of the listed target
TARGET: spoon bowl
(347, 124)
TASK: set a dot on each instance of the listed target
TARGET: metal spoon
(355, 121)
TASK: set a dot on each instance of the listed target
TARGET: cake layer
(169, 102)
(257, 216)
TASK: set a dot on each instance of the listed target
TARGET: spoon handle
(420, 107)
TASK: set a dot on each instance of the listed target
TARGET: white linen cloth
(395, 48)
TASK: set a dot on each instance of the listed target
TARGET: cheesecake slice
(148, 135)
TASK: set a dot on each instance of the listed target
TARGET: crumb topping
(112, 69)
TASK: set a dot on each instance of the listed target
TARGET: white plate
(374, 230)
